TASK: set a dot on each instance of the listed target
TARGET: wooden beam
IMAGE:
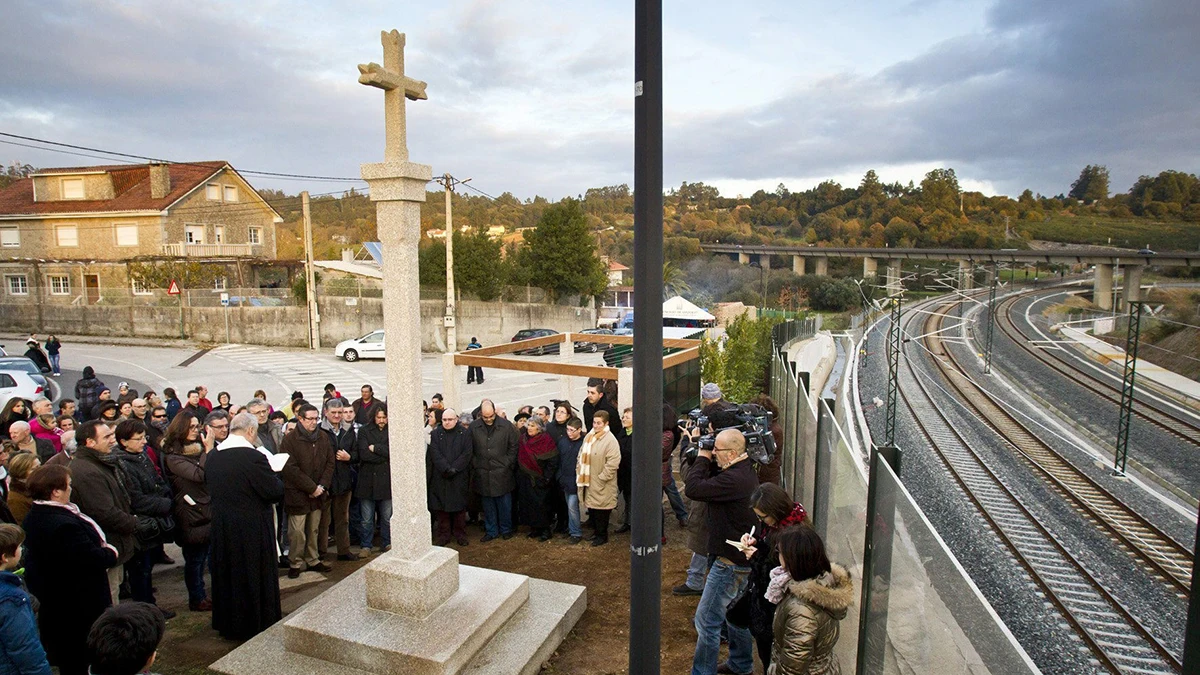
(681, 357)
(549, 367)
(510, 347)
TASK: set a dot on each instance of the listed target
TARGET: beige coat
(606, 459)
(806, 624)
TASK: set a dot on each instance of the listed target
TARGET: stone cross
(396, 87)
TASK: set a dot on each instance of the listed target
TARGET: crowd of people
(95, 489)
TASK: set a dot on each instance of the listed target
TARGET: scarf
(583, 477)
(306, 435)
(778, 586)
(798, 515)
(533, 451)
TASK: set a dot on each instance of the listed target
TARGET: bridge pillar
(1102, 287)
(798, 265)
(744, 258)
(893, 277)
(823, 266)
(1133, 284)
(764, 261)
(870, 267)
(966, 275)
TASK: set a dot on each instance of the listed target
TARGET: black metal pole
(1191, 642)
(645, 550)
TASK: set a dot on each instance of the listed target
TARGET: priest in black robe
(244, 563)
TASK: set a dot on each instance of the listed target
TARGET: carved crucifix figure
(396, 87)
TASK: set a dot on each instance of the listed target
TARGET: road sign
(224, 299)
(173, 289)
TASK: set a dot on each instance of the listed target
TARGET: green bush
(740, 363)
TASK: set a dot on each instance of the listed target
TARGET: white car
(20, 384)
(369, 346)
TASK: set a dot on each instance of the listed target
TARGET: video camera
(754, 421)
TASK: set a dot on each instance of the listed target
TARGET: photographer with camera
(722, 476)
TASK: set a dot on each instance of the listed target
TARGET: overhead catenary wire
(113, 153)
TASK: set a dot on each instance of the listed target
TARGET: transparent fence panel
(844, 490)
(924, 614)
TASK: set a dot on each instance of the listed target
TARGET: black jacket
(344, 473)
(614, 417)
(727, 494)
(568, 457)
(448, 466)
(87, 392)
(494, 457)
(374, 467)
(148, 492)
(66, 567)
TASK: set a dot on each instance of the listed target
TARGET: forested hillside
(1161, 211)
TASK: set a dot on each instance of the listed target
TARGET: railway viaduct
(1104, 260)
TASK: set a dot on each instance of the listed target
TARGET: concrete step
(530, 637)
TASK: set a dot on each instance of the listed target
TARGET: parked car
(1146, 251)
(26, 365)
(18, 383)
(530, 333)
(593, 347)
(369, 346)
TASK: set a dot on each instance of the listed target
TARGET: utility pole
(310, 284)
(893, 382)
(448, 320)
(991, 329)
(1133, 337)
(645, 546)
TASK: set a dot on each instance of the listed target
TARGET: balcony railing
(211, 250)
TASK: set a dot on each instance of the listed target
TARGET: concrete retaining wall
(341, 318)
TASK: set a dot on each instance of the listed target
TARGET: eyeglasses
(309, 419)
(219, 427)
(159, 417)
(193, 426)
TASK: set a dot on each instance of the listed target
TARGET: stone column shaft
(798, 265)
(823, 267)
(870, 267)
(1102, 287)
(893, 277)
(744, 258)
(1133, 283)
(764, 261)
(966, 275)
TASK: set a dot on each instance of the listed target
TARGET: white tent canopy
(679, 308)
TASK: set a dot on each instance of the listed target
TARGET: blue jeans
(54, 363)
(195, 557)
(725, 583)
(675, 500)
(696, 571)
(573, 526)
(368, 508)
(497, 515)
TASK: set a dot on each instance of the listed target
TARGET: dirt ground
(597, 646)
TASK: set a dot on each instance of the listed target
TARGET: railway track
(1118, 640)
(1144, 409)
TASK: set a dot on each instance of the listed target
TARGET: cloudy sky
(537, 97)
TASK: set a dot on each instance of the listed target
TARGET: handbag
(738, 612)
(192, 518)
(151, 530)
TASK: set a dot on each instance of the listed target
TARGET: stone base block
(412, 588)
(521, 646)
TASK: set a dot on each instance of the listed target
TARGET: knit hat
(710, 392)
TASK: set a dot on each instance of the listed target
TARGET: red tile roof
(614, 266)
(131, 183)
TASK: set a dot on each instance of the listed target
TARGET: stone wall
(341, 318)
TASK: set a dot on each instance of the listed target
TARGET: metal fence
(155, 297)
(919, 611)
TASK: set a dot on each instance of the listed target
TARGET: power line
(273, 174)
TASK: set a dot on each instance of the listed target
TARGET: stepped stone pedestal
(413, 610)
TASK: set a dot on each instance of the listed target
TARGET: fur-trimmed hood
(832, 591)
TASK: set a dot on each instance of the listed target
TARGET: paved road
(241, 369)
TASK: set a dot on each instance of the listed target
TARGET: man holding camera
(724, 479)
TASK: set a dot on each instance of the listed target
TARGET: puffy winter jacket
(806, 624)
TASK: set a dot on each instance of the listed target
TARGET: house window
(256, 235)
(219, 284)
(194, 234)
(72, 188)
(10, 237)
(231, 193)
(18, 284)
(60, 284)
(219, 234)
(212, 192)
(127, 234)
(139, 288)
(66, 235)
